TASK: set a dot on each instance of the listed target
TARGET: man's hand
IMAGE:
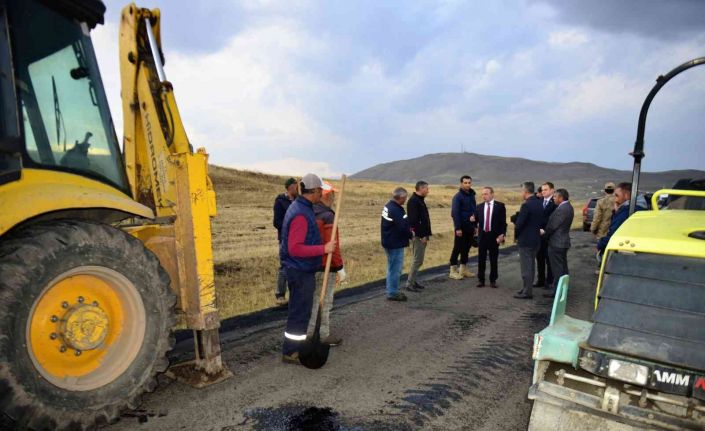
(500, 239)
(424, 240)
(459, 232)
(542, 232)
(472, 218)
(329, 247)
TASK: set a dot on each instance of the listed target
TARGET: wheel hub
(84, 327)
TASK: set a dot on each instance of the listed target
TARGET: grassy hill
(245, 242)
(581, 178)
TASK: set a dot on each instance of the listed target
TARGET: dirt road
(453, 357)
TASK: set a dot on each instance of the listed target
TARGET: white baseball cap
(312, 181)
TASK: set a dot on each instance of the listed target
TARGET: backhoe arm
(165, 174)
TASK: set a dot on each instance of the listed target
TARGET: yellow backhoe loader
(99, 248)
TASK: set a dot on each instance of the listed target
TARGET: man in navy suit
(543, 263)
(527, 232)
(491, 217)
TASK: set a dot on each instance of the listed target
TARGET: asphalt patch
(295, 418)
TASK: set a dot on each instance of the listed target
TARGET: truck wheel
(86, 314)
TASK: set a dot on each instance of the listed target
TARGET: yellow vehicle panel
(659, 232)
(662, 232)
(42, 191)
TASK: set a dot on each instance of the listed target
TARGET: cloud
(567, 38)
(598, 96)
(668, 20)
(290, 166)
(340, 86)
(239, 102)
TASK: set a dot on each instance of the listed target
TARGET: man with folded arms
(420, 224)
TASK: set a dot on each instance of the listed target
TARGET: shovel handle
(329, 256)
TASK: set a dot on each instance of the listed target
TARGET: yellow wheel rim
(86, 328)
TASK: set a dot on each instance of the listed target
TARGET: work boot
(282, 301)
(411, 288)
(332, 340)
(291, 359)
(467, 273)
(400, 297)
(455, 273)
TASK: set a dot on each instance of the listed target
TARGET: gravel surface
(453, 357)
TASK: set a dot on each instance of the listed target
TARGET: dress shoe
(493, 284)
(523, 296)
(480, 284)
(419, 286)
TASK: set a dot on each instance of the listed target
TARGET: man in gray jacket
(558, 233)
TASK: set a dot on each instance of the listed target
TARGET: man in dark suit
(491, 217)
(557, 232)
(527, 231)
(543, 264)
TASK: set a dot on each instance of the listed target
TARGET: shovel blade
(314, 355)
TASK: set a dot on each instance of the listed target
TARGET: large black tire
(30, 259)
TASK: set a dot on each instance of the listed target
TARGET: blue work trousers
(395, 262)
(301, 288)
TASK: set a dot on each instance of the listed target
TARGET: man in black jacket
(543, 264)
(462, 209)
(491, 219)
(281, 204)
(420, 224)
(527, 231)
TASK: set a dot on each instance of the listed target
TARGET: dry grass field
(245, 242)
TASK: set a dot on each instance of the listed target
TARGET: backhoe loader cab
(640, 362)
(87, 305)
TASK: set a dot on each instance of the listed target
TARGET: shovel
(313, 354)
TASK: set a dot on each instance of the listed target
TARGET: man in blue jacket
(527, 232)
(622, 195)
(395, 238)
(463, 213)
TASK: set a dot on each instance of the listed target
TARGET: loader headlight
(628, 372)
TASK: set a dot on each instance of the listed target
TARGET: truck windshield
(67, 123)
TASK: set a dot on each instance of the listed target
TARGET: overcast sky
(338, 86)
